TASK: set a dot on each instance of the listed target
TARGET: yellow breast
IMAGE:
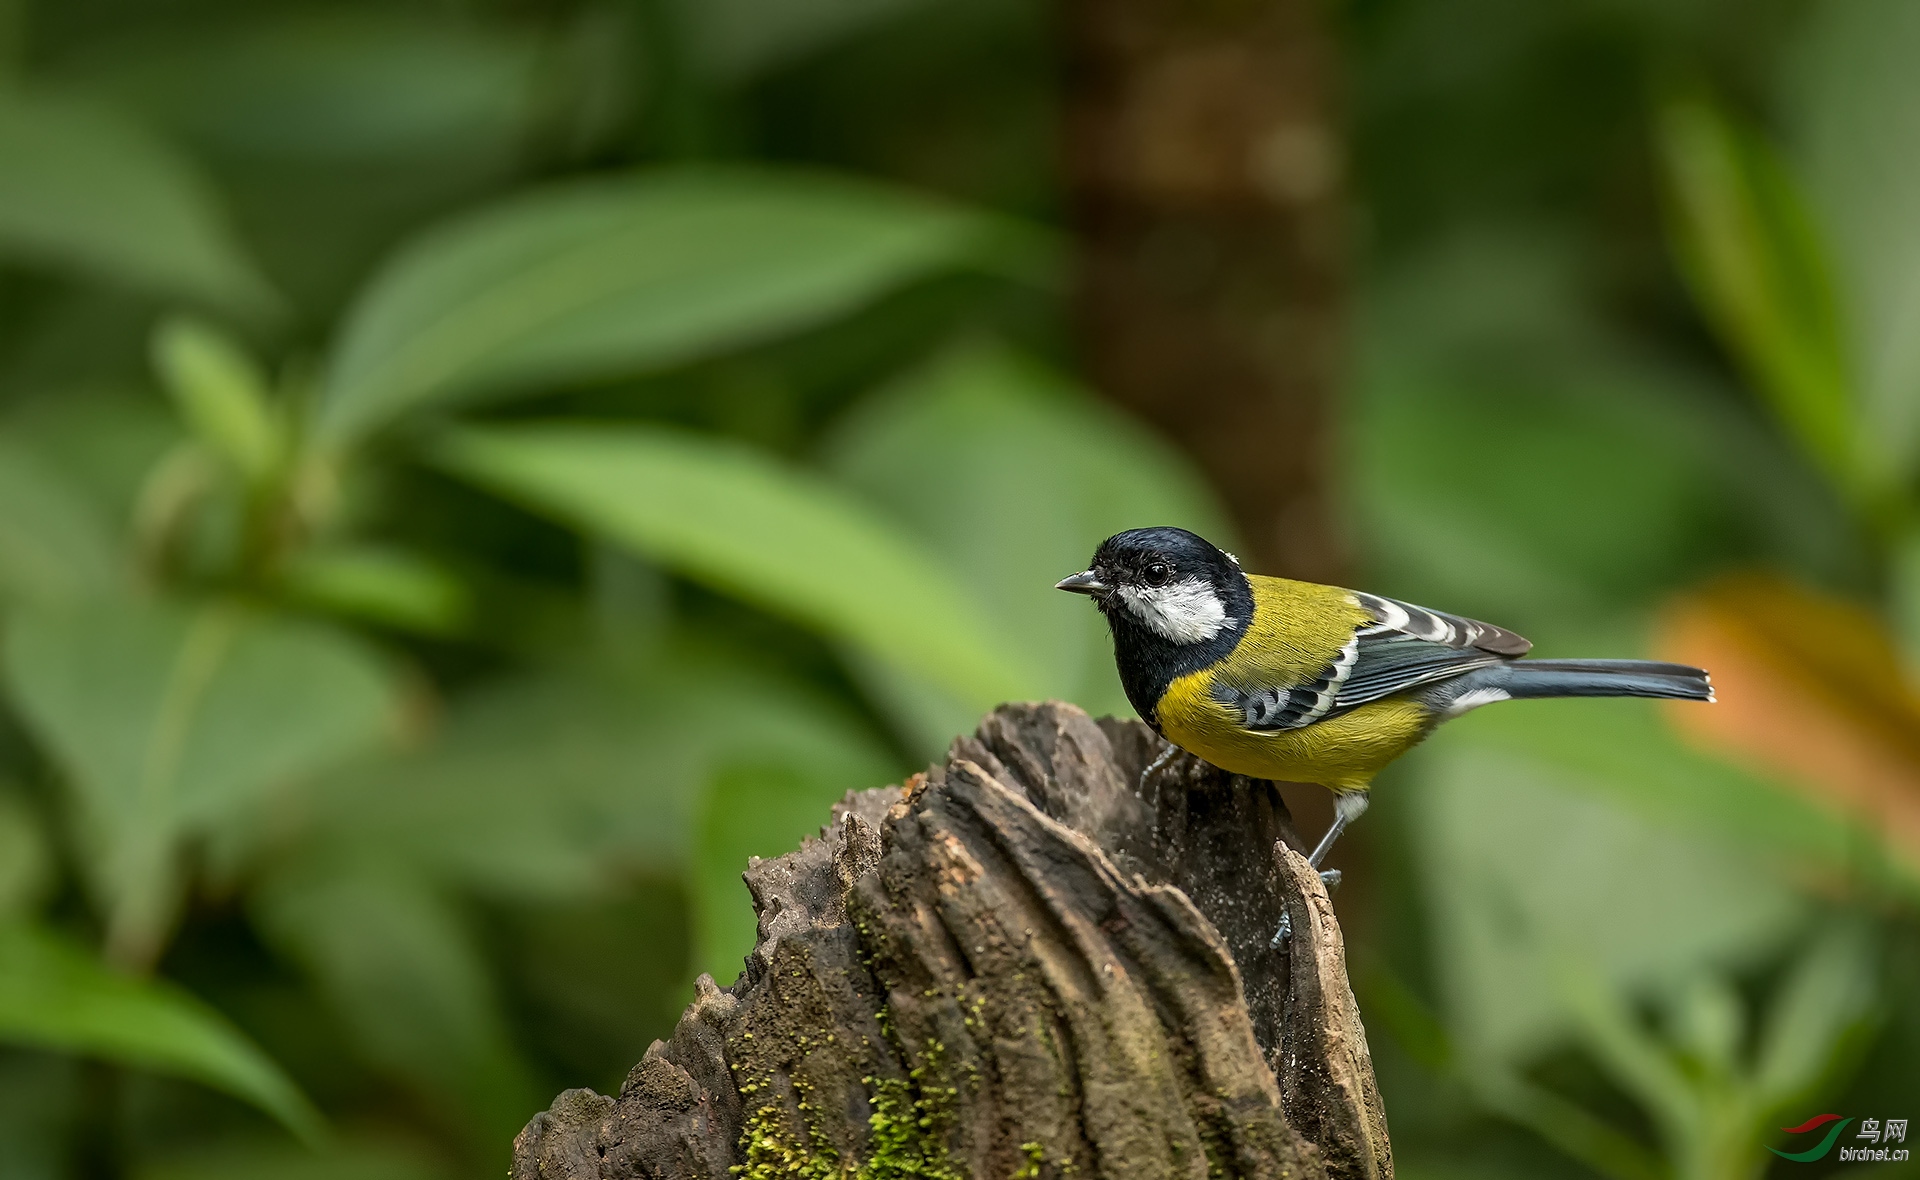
(1343, 753)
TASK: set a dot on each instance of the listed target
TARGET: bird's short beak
(1082, 583)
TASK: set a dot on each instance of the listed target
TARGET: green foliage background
(472, 474)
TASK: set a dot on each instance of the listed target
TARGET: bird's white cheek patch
(1186, 612)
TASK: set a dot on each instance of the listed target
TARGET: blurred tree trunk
(1205, 175)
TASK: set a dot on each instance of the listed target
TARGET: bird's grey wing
(1405, 647)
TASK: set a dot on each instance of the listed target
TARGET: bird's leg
(1167, 755)
(1347, 807)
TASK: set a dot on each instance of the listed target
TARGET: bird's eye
(1158, 573)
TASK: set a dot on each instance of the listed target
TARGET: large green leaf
(54, 545)
(1758, 267)
(599, 278)
(55, 996)
(168, 720)
(745, 524)
(82, 188)
(1033, 474)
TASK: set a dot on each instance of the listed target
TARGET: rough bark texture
(1024, 964)
(1205, 176)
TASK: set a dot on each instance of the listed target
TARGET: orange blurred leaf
(1811, 691)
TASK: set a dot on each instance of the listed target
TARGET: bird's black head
(1176, 603)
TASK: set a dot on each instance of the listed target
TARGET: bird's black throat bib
(1148, 662)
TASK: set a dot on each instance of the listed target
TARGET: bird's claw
(1167, 755)
(1284, 933)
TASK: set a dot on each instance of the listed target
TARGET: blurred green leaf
(547, 786)
(1622, 469)
(560, 785)
(39, 1096)
(337, 85)
(1033, 475)
(221, 393)
(747, 525)
(1709, 1021)
(1758, 267)
(237, 1158)
(1852, 109)
(1828, 994)
(1626, 753)
(54, 546)
(168, 720)
(1597, 497)
(1567, 1125)
(1711, 1107)
(1629, 1050)
(55, 996)
(82, 188)
(605, 277)
(103, 443)
(395, 959)
(379, 584)
(26, 859)
(596, 980)
(732, 40)
(1525, 856)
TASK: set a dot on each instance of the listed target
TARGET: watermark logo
(1877, 1132)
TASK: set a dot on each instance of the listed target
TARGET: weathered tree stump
(1024, 964)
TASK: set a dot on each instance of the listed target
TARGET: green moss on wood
(910, 1121)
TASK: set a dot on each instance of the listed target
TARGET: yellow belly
(1343, 753)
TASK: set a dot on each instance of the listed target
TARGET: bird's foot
(1331, 879)
(1167, 755)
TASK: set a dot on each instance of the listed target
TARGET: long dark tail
(1529, 679)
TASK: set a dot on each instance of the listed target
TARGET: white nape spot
(1232, 558)
(1187, 611)
(1473, 698)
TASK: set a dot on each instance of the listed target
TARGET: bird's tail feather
(1528, 679)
